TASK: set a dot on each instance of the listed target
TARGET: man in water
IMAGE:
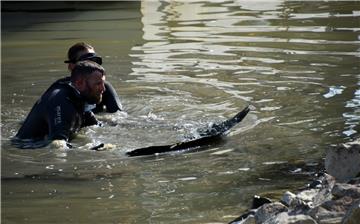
(83, 51)
(60, 112)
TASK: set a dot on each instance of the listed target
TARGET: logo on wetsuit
(58, 115)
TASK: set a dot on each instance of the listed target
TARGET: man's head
(88, 78)
(81, 52)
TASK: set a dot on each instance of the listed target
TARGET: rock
(331, 211)
(315, 184)
(340, 205)
(324, 193)
(268, 210)
(355, 180)
(295, 204)
(327, 200)
(315, 196)
(284, 218)
(336, 220)
(248, 220)
(288, 198)
(247, 217)
(308, 195)
(322, 215)
(341, 190)
(259, 201)
(343, 162)
(352, 216)
(243, 217)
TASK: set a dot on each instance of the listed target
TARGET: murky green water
(178, 66)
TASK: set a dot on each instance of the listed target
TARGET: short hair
(75, 50)
(85, 68)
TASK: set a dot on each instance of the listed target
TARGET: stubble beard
(90, 97)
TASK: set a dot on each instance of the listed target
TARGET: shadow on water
(79, 6)
(57, 12)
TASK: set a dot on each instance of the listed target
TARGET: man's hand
(60, 144)
(103, 147)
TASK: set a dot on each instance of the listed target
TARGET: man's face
(94, 88)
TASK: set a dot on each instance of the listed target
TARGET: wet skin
(93, 87)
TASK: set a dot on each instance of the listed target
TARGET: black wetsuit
(110, 99)
(58, 114)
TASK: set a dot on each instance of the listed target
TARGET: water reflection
(278, 46)
(352, 119)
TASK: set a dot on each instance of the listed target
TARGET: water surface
(178, 66)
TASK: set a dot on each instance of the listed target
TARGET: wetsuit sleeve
(63, 119)
(110, 100)
(89, 119)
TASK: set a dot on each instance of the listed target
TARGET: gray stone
(268, 210)
(323, 215)
(259, 201)
(308, 195)
(324, 194)
(335, 200)
(341, 190)
(355, 181)
(343, 162)
(284, 218)
(288, 198)
(352, 216)
(336, 220)
(248, 220)
(245, 218)
(332, 211)
(340, 205)
(295, 204)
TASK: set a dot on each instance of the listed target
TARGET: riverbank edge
(332, 197)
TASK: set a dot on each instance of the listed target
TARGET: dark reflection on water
(178, 66)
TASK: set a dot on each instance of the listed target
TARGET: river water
(178, 66)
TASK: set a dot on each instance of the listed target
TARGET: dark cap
(88, 56)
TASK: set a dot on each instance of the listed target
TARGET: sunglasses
(89, 56)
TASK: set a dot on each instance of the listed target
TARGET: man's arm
(63, 119)
(90, 119)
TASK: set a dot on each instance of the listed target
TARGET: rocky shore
(333, 197)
